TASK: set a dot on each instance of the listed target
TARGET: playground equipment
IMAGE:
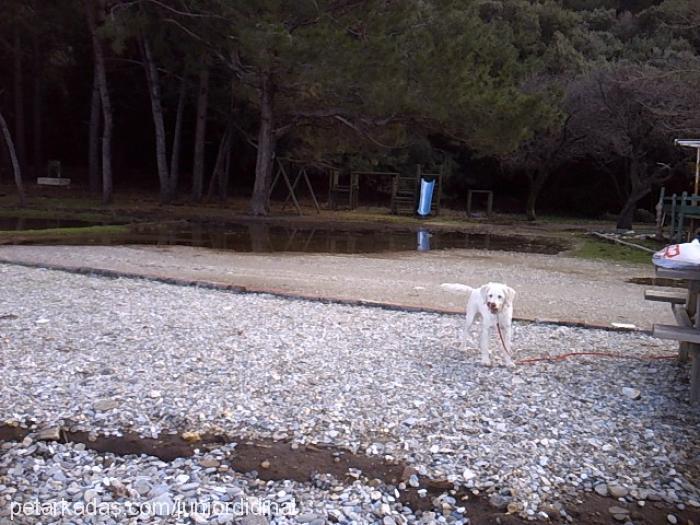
(426, 197)
(683, 210)
(291, 186)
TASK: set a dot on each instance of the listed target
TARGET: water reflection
(259, 237)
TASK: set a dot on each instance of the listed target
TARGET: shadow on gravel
(279, 460)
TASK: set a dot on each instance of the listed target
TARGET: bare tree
(153, 81)
(629, 116)
(19, 100)
(94, 136)
(101, 74)
(177, 134)
(15, 161)
(200, 134)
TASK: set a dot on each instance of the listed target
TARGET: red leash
(598, 354)
(561, 357)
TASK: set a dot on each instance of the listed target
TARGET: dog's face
(497, 296)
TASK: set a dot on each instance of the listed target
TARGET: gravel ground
(551, 287)
(113, 355)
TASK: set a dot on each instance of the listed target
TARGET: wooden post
(311, 191)
(697, 169)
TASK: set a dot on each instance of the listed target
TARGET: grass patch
(58, 234)
(588, 248)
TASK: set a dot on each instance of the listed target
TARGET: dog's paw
(486, 362)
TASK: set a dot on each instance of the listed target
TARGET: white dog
(493, 303)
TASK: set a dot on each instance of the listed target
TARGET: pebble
(672, 519)
(49, 434)
(105, 404)
(617, 491)
(631, 393)
(619, 513)
(395, 384)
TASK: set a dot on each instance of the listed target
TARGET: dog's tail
(456, 287)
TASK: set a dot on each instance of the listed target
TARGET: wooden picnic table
(685, 306)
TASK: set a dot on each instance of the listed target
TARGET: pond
(24, 223)
(261, 237)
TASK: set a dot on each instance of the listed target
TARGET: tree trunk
(535, 187)
(219, 167)
(38, 93)
(224, 178)
(626, 216)
(177, 133)
(94, 140)
(107, 182)
(15, 161)
(4, 161)
(199, 135)
(19, 102)
(153, 81)
(266, 151)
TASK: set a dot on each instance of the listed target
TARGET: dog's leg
(508, 340)
(469, 321)
(484, 343)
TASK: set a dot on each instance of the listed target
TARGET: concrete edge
(213, 285)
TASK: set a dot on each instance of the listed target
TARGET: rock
(191, 436)
(672, 519)
(631, 393)
(617, 491)
(601, 489)
(49, 434)
(499, 501)
(388, 520)
(253, 519)
(142, 486)
(306, 518)
(514, 507)
(619, 513)
(468, 474)
(90, 495)
(413, 481)
(265, 464)
(210, 463)
(162, 505)
(198, 519)
(105, 404)
(407, 473)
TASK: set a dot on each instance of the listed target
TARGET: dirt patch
(659, 281)
(545, 283)
(277, 460)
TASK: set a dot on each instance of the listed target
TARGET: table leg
(692, 307)
(695, 375)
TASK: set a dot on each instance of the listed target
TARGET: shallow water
(266, 238)
(22, 223)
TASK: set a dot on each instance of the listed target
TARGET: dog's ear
(484, 291)
(510, 295)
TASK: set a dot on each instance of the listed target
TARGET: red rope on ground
(597, 354)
